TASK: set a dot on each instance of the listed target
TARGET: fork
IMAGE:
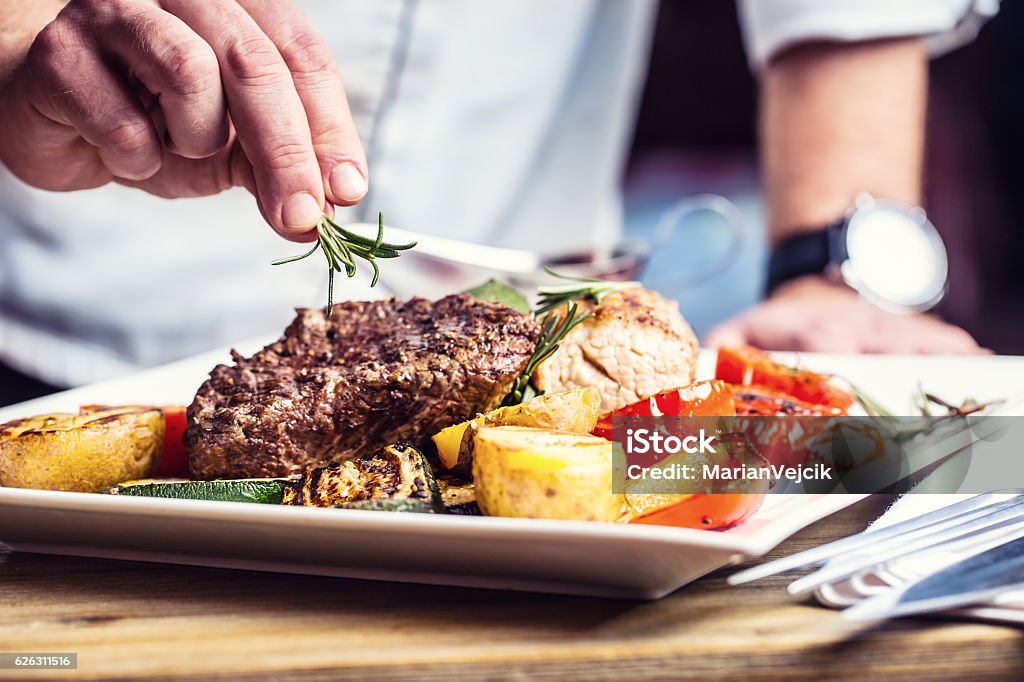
(979, 519)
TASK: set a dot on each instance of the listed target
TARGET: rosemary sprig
(964, 409)
(552, 296)
(341, 247)
(923, 401)
(554, 328)
(870, 405)
(907, 428)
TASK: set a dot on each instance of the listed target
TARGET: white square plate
(627, 561)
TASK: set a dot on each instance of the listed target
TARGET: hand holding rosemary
(341, 247)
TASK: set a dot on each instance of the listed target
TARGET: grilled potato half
(81, 452)
(576, 410)
(542, 474)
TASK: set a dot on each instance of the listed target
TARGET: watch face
(895, 257)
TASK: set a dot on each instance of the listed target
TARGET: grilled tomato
(749, 366)
(700, 399)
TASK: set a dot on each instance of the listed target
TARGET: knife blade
(969, 581)
(501, 259)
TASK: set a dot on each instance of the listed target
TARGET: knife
(969, 581)
(516, 261)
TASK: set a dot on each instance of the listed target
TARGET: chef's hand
(139, 92)
(813, 314)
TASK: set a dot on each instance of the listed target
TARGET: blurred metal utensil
(987, 529)
(515, 261)
(625, 261)
(996, 519)
(525, 268)
(973, 580)
(937, 520)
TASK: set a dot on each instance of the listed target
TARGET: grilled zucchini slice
(255, 490)
(397, 478)
(459, 497)
(405, 505)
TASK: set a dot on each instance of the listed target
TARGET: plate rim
(754, 543)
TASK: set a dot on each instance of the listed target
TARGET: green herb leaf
(493, 290)
(554, 325)
(341, 246)
(870, 405)
(554, 329)
(575, 288)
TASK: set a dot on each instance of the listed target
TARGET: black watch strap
(806, 253)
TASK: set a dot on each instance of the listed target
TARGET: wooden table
(151, 621)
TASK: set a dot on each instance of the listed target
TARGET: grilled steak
(371, 374)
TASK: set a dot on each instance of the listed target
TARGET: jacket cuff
(771, 26)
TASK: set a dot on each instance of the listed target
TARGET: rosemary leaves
(555, 325)
(554, 328)
(552, 296)
(341, 247)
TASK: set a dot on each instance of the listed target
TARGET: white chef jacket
(504, 121)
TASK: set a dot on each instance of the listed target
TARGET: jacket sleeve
(771, 26)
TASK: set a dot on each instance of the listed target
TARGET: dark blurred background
(696, 133)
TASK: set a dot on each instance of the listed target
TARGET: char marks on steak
(371, 374)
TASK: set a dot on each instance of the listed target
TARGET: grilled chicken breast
(635, 344)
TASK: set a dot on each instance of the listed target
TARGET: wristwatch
(888, 252)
